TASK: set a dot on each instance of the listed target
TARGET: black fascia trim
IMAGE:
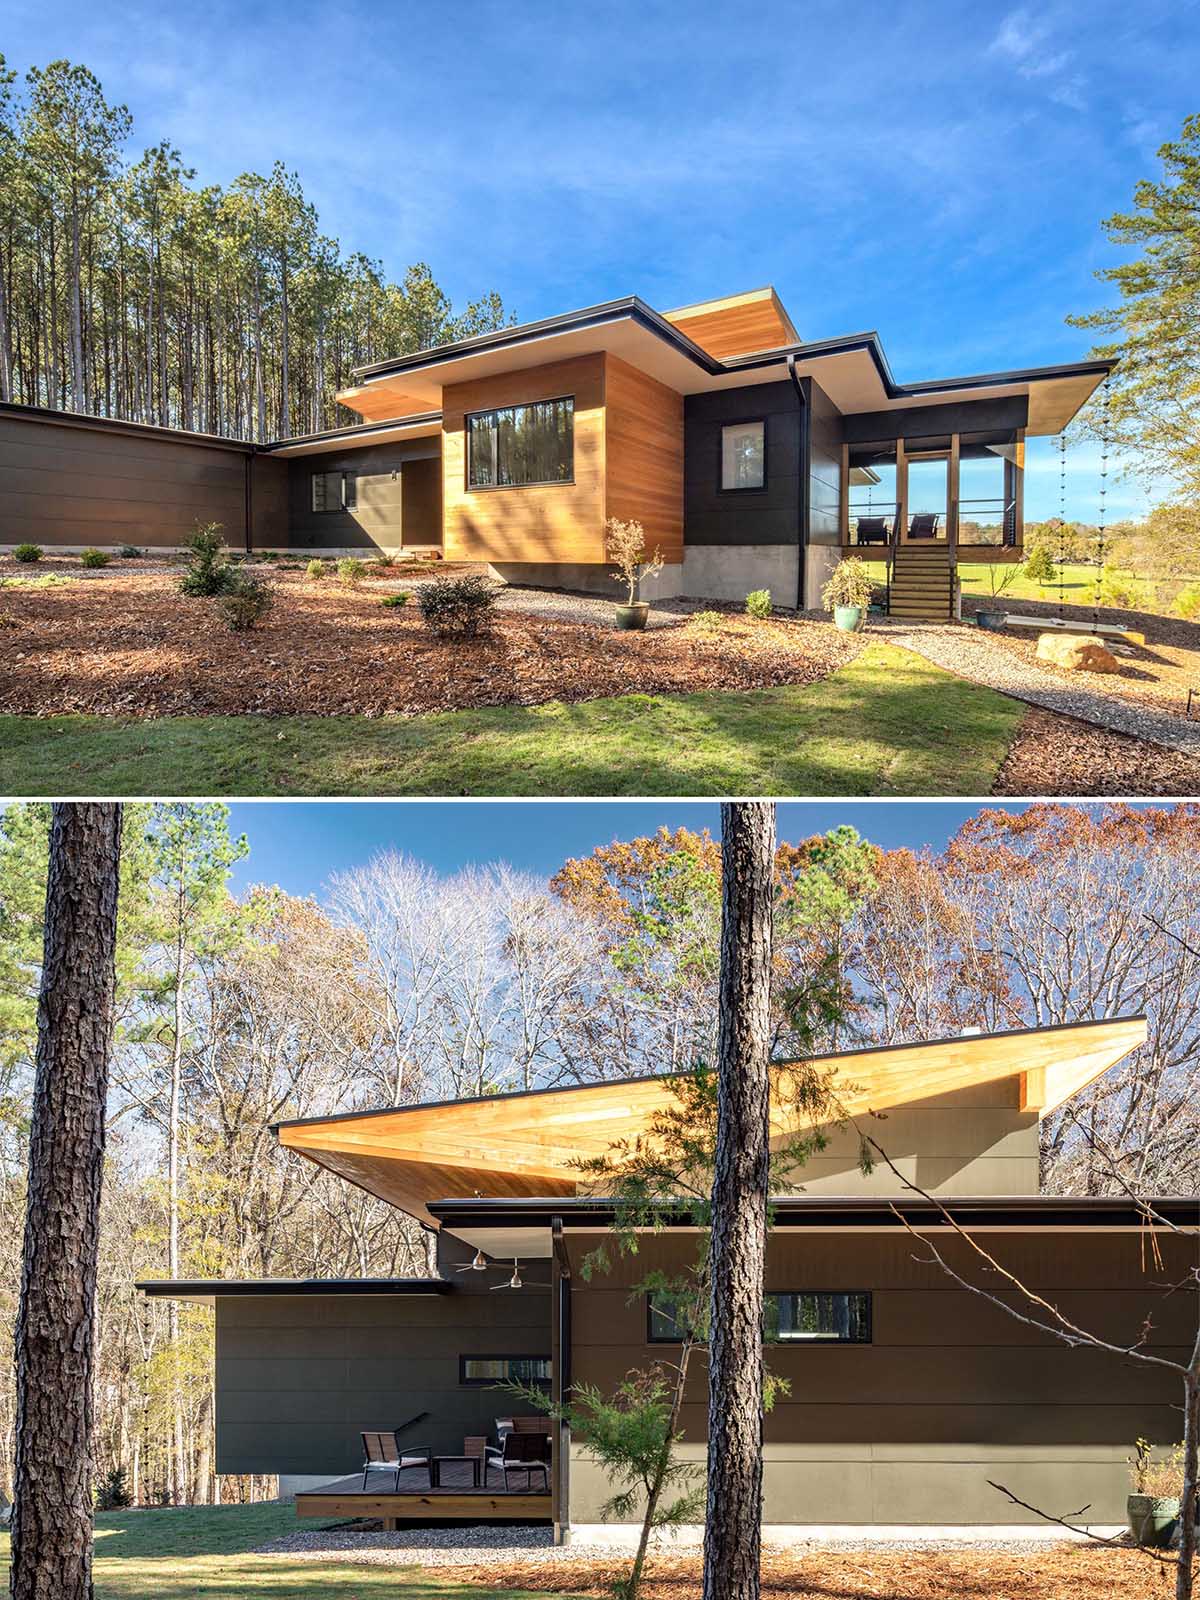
(651, 1077)
(849, 1211)
(355, 430)
(243, 1288)
(590, 317)
(153, 430)
(1068, 369)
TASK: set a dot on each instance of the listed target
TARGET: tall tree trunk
(52, 1522)
(738, 1251)
(180, 1453)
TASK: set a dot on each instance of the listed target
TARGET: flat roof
(206, 1291)
(530, 1144)
(852, 368)
(422, 424)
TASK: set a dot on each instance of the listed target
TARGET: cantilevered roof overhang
(529, 1145)
(852, 369)
(206, 1291)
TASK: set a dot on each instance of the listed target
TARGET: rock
(1076, 652)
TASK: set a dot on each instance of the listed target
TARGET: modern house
(907, 1393)
(751, 457)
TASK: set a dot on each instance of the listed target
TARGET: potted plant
(1153, 1505)
(1000, 580)
(848, 594)
(626, 545)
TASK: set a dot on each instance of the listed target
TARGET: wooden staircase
(922, 587)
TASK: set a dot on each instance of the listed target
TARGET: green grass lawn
(889, 723)
(181, 1553)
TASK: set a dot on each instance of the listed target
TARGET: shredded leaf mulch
(132, 645)
(1047, 1572)
(1057, 755)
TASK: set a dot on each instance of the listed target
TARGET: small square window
(334, 491)
(744, 455)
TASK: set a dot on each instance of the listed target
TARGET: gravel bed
(569, 605)
(971, 654)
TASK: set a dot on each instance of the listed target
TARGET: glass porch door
(927, 501)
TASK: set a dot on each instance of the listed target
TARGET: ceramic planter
(991, 619)
(632, 618)
(849, 618)
(1153, 1521)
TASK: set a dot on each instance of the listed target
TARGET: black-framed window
(794, 1316)
(483, 1371)
(514, 446)
(334, 491)
(744, 455)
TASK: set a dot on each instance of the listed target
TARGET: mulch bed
(1158, 673)
(1057, 755)
(1047, 1572)
(132, 645)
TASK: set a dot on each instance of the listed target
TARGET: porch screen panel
(519, 445)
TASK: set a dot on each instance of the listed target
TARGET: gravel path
(563, 605)
(971, 654)
(514, 1546)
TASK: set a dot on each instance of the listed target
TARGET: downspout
(802, 508)
(560, 1385)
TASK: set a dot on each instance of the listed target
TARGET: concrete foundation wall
(819, 562)
(731, 572)
(587, 577)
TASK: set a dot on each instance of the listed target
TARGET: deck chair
(382, 1452)
(923, 525)
(522, 1452)
(872, 530)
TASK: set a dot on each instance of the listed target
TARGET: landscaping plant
(315, 568)
(400, 599)
(129, 552)
(208, 571)
(95, 558)
(245, 601)
(625, 545)
(457, 607)
(27, 552)
(758, 604)
(850, 584)
(351, 571)
(707, 621)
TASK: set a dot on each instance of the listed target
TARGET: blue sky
(934, 171)
(298, 844)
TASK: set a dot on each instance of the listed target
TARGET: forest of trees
(127, 290)
(402, 986)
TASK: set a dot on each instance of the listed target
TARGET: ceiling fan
(478, 1263)
(516, 1281)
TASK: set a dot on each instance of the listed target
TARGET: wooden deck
(456, 1500)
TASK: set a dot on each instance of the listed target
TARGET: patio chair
(923, 525)
(522, 1452)
(872, 530)
(382, 1452)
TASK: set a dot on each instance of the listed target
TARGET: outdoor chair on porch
(382, 1453)
(872, 530)
(522, 1452)
(923, 525)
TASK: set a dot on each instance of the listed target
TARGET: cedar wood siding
(628, 464)
(67, 481)
(770, 515)
(299, 1377)
(398, 493)
(950, 1392)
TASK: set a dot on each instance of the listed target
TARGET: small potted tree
(848, 594)
(626, 545)
(1153, 1505)
(1000, 580)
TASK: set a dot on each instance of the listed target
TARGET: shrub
(850, 584)
(246, 600)
(1187, 603)
(351, 571)
(625, 546)
(457, 607)
(95, 558)
(209, 571)
(758, 603)
(385, 559)
(400, 599)
(27, 552)
(1160, 1477)
(315, 568)
(129, 552)
(112, 1493)
(707, 621)
(1121, 591)
(1040, 568)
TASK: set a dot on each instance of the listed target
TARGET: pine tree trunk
(52, 1523)
(732, 1533)
(180, 1457)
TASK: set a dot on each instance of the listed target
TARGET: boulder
(1077, 652)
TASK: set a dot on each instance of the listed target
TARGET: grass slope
(889, 723)
(180, 1553)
